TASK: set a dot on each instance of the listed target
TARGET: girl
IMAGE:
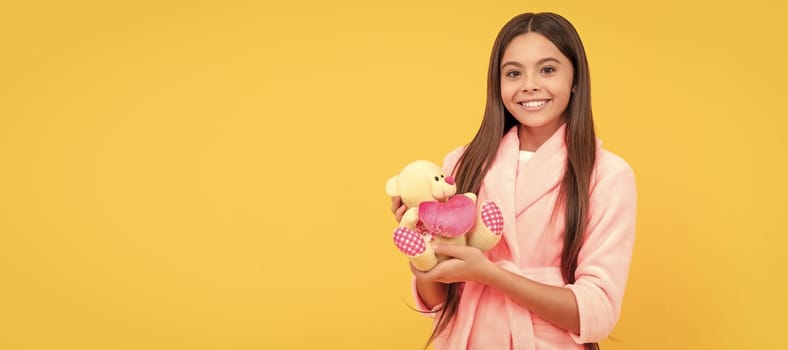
(556, 280)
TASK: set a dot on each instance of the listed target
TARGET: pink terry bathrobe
(532, 244)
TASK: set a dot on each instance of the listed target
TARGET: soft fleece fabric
(531, 246)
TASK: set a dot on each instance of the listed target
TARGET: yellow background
(209, 174)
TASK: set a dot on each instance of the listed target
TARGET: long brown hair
(580, 141)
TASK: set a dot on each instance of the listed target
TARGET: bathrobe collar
(543, 172)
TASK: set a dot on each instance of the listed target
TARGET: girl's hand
(466, 264)
(397, 208)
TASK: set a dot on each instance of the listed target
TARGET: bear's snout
(449, 180)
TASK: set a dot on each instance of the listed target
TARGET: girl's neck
(532, 138)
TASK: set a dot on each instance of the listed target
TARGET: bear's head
(421, 181)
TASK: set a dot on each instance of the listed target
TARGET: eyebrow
(541, 61)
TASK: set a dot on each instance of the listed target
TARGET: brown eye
(436, 178)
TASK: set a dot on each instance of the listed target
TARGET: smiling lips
(533, 104)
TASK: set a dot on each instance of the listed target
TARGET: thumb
(451, 250)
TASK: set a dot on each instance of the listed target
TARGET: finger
(452, 250)
(421, 275)
(396, 203)
(416, 272)
(400, 212)
(431, 275)
(442, 271)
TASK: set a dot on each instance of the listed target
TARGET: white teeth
(533, 104)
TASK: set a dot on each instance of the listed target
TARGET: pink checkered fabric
(492, 217)
(408, 241)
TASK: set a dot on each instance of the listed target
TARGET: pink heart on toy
(451, 219)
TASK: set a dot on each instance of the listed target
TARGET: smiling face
(536, 84)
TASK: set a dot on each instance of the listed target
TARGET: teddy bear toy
(436, 215)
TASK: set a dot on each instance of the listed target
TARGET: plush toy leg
(415, 247)
(489, 227)
(461, 240)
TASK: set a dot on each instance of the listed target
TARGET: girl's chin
(531, 124)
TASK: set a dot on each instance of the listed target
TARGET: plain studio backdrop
(210, 174)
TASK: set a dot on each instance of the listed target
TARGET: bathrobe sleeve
(448, 165)
(604, 259)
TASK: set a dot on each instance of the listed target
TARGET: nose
(449, 180)
(529, 84)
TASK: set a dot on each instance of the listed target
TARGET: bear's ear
(392, 187)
